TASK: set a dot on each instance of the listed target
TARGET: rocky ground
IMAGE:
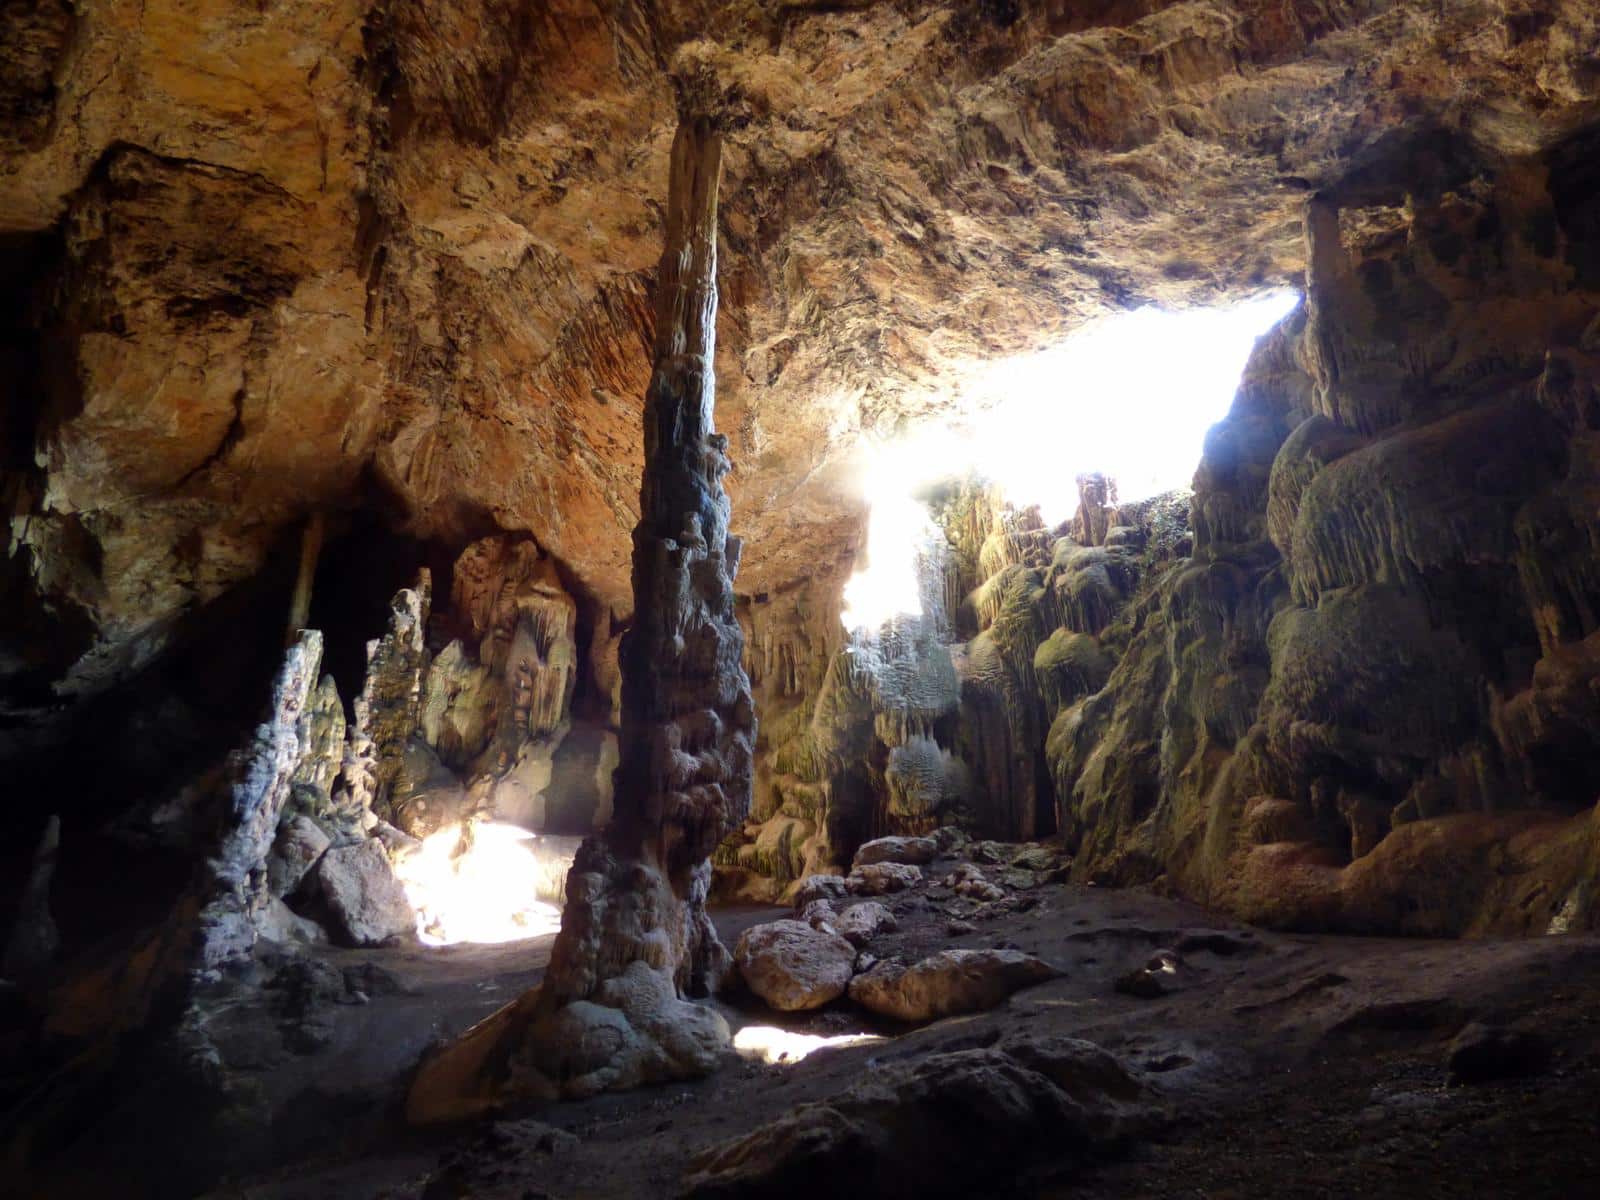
(1261, 1064)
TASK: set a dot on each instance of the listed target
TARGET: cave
(921, 597)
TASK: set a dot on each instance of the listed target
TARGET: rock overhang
(466, 204)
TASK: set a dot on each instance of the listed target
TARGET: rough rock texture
(860, 923)
(416, 283)
(363, 898)
(233, 888)
(937, 1126)
(635, 937)
(947, 983)
(877, 879)
(387, 710)
(1366, 701)
(793, 966)
(423, 213)
(815, 888)
(299, 844)
(913, 851)
(373, 265)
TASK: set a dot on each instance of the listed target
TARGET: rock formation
(947, 983)
(305, 306)
(635, 937)
(1335, 697)
(467, 263)
(943, 716)
(907, 1130)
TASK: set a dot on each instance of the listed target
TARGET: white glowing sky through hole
(1132, 396)
(483, 890)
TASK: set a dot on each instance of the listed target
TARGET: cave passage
(939, 599)
(1130, 397)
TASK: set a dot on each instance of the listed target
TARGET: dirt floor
(1286, 1066)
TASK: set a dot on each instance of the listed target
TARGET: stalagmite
(635, 938)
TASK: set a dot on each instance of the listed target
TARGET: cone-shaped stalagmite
(635, 938)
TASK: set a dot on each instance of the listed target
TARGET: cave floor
(1290, 1065)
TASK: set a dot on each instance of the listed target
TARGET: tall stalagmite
(635, 938)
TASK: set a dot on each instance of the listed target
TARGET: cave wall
(1366, 701)
(940, 717)
(389, 263)
(1350, 682)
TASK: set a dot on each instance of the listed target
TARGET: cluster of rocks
(824, 952)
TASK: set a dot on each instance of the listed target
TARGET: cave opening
(1128, 398)
(1000, 547)
(705, 465)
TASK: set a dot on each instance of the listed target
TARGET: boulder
(296, 849)
(950, 982)
(363, 897)
(879, 879)
(860, 923)
(914, 850)
(1035, 858)
(1483, 1053)
(938, 1126)
(793, 966)
(968, 880)
(820, 887)
(820, 914)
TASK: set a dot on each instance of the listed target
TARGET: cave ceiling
(297, 255)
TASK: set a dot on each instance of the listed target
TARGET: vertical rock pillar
(635, 939)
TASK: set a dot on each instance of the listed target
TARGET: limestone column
(635, 940)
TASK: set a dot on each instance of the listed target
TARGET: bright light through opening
(477, 883)
(1131, 397)
(768, 1044)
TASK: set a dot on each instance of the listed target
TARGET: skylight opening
(1130, 397)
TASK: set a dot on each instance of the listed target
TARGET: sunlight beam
(1132, 397)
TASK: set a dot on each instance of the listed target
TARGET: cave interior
(712, 599)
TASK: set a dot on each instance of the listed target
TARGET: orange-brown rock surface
(391, 262)
(321, 254)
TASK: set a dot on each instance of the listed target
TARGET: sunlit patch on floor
(477, 882)
(768, 1044)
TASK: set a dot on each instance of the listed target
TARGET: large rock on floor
(860, 923)
(793, 966)
(942, 1126)
(915, 850)
(950, 982)
(820, 887)
(879, 879)
(364, 899)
